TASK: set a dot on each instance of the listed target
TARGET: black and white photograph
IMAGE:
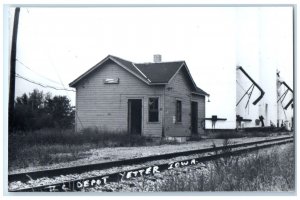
(150, 99)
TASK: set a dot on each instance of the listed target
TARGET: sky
(56, 45)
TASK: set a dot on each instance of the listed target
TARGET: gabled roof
(159, 72)
(129, 65)
(151, 73)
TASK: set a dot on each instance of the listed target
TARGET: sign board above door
(111, 81)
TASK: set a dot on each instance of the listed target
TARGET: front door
(135, 116)
(194, 118)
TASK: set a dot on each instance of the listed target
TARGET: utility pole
(13, 71)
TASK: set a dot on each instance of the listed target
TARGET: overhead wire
(56, 72)
(52, 87)
(43, 85)
(64, 87)
(35, 71)
(40, 84)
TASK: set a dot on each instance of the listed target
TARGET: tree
(61, 111)
(37, 111)
(36, 100)
(22, 114)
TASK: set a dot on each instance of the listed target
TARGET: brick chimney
(157, 58)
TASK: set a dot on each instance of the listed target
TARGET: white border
(4, 92)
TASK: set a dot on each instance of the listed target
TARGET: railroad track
(75, 185)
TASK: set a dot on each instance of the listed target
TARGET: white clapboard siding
(179, 89)
(105, 105)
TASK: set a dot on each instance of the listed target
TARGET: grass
(43, 147)
(226, 135)
(101, 138)
(50, 146)
(264, 170)
(245, 133)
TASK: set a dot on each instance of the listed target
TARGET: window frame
(178, 111)
(149, 111)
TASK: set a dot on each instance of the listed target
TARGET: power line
(57, 74)
(64, 87)
(35, 72)
(67, 94)
(47, 86)
(42, 85)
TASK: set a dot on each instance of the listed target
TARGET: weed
(264, 170)
(226, 135)
(258, 132)
(195, 138)
(48, 146)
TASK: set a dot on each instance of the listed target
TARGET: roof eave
(158, 83)
(188, 71)
(191, 78)
(176, 72)
(145, 81)
(73, 83)
(200, 94)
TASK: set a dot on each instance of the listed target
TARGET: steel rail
(113, 177)
(100, 166)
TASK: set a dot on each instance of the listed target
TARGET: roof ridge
(120, 58)
(141, 72)
(145, 62)
(145, 72)
(179, 61)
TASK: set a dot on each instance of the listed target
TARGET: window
(178, 111)
(153, 109)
